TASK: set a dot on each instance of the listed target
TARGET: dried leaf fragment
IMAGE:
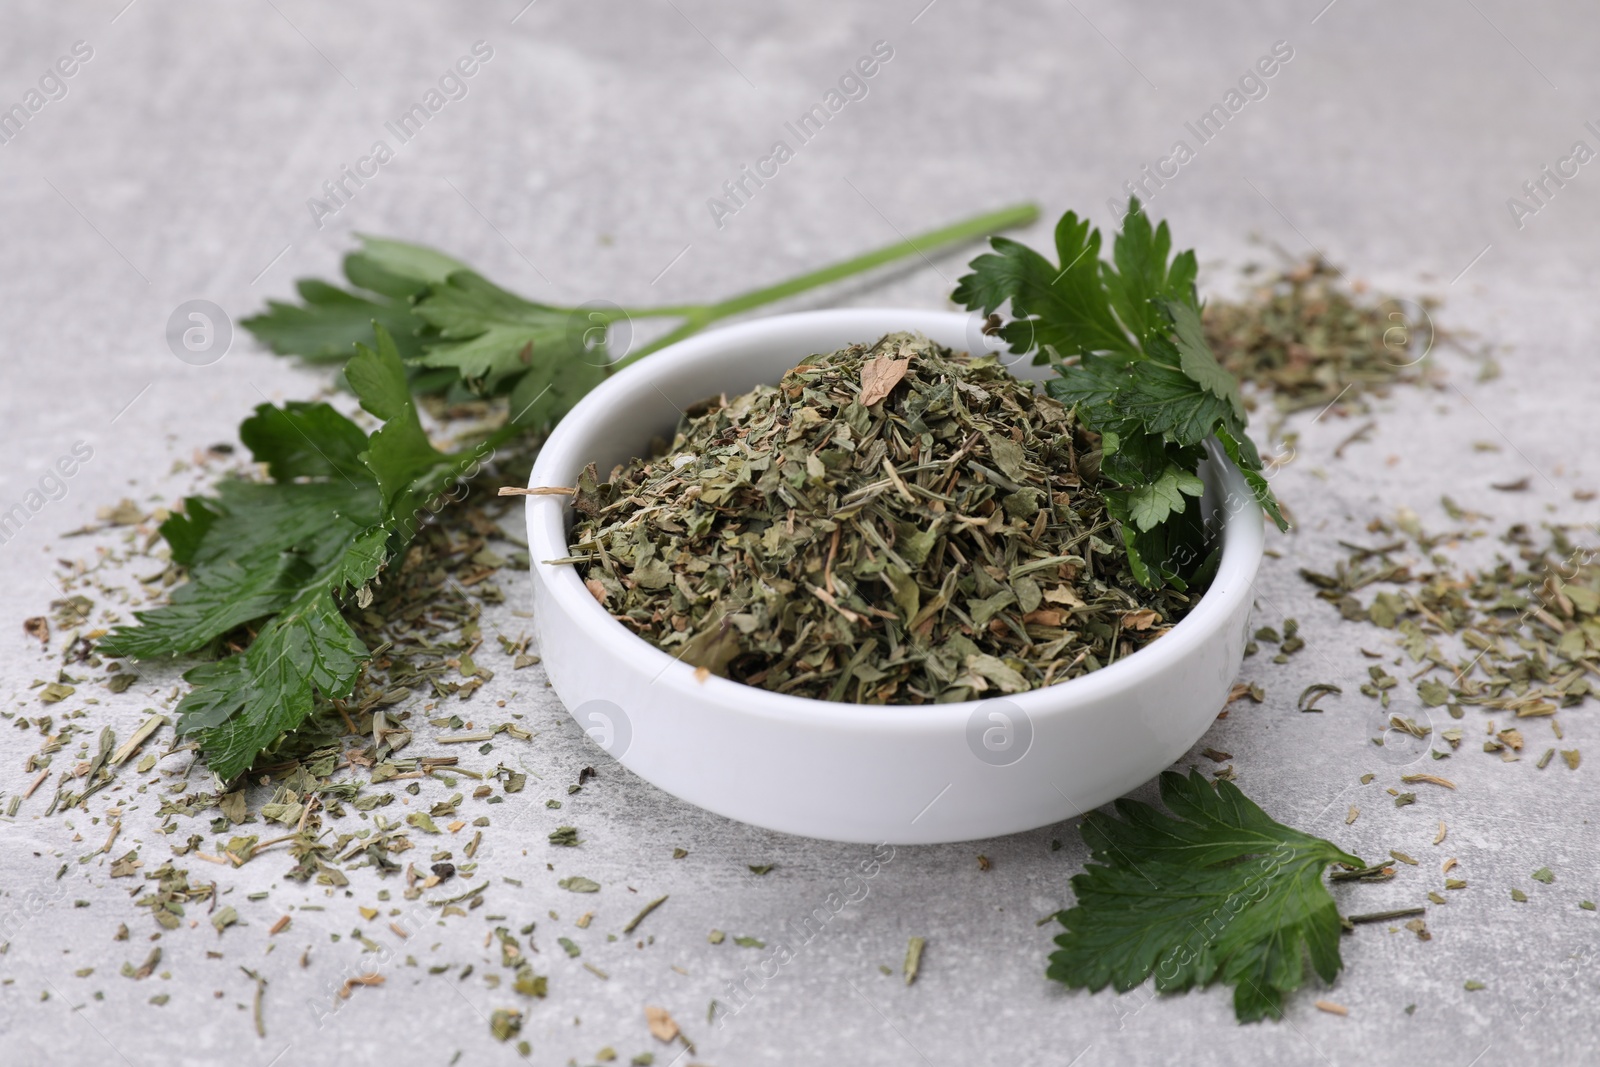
(879, 376)
(913, 962)
(662, 1026)
(360, 979)
(505, 1023)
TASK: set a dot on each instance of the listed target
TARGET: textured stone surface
(577, 167)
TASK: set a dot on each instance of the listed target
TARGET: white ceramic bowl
(858, 772)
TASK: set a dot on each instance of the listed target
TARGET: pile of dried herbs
(1306, 336)
(890, 523)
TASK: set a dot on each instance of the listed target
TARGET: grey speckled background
(178, 166)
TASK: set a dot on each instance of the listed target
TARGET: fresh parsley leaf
(1143, 279)
(285, 554)
(1151, 503)
(1054, 306)
(1132, 360)
(1242, 451)
(399, 451)
(397, 269)
(491, 337)
(329, 322)
(1215, 890)
(485, 332)
(263, 546)
(449, 325)
(386, 276)
(1163, 400)
(241, 705)
(1197, 360)
(301, 440)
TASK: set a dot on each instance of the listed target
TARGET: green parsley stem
(699, 316)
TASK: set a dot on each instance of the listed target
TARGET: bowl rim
(1242, 548)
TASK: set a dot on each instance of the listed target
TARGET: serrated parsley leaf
(185, 531)
(282, 557)
(488, 333)
(1243, 453)
(448, 324)
(1151, 503)
(485, 332)
(1215, 890)
(1197, 360)
(399, 451)
(301, 440)
(1132, 360)
(326, 327)
(551, 355)
(264, 545)
(1168, 403)
(1057, 306)
(242, 704)
(386, 275)
(1143, 279)
(397, 269)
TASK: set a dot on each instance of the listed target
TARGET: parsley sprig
(284, 558)
(1216, 890)
(455, 329)
(275, 567)
(1125, 338)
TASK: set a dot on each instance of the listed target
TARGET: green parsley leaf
(1162, 400)
(285, 554)
(399, 451)
(442, 316)
(1132, 360)
(1198, 361)
(325, 327)
(397, 269)
(264, 545)
(490, 336)
(1216, 890)
(1242, 451)
(386, 275)
(1143, 277)
(1062, 307)
(1151, 503)
(302, 440)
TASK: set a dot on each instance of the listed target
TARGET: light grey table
(177, 162)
